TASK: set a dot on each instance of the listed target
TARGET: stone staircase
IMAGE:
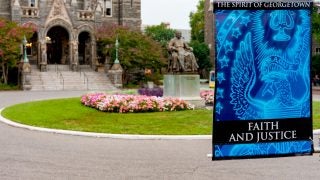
(60, 77)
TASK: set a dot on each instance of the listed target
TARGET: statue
(181, 57)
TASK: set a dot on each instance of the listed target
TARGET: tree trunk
(4, 73)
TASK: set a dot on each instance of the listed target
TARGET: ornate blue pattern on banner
(261, 149)
(262, 79)
(263, 64)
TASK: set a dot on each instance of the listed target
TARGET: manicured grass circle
(70, 114)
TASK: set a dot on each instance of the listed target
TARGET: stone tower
(209, 29)
(65, 28)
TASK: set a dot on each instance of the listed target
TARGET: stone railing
(30, 11)
(85, 15)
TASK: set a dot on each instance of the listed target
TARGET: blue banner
(262, 92)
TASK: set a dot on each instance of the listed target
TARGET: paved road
(35, 155)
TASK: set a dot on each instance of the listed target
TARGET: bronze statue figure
(181, 57)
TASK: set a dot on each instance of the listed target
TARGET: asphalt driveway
(26, 154)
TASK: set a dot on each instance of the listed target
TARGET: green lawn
(70, 114)
(316, 115)
(8, 87)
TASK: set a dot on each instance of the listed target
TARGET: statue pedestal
(115, 75)
(183, 86)
(26, 76)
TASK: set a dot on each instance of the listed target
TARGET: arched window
(33, 3)
(107, 8)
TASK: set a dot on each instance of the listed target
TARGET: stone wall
(24, 3)
(75, 16)
(5, 9)
(130, 12)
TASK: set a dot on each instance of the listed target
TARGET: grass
(316, 115)
(8, 87)
(70, 114)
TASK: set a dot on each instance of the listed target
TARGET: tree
(315, 24)
(315, 69)
(11, 35)
(136, 51)
(200, 48)
(201, 51)
(197, 22)
(160, 33)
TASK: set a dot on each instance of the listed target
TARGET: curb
(316, 132)
(104, 135)
(119, 136)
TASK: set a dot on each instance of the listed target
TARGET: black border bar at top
(264, 4)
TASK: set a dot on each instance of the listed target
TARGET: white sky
(176, 12)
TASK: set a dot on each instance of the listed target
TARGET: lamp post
(116, 71)
(24, 42)
(26, 68)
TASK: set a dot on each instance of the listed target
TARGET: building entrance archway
(84, 48)
(58, 45)
(32, 48)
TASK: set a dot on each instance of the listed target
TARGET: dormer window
(107, 8)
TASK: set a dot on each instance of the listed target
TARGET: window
(107, 8)
(32, 3)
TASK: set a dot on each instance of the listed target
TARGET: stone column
(39, 53)
(70, 53)
(74, 52)
(43, 61)
(94, 59)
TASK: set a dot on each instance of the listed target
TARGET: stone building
(65, 28)
(209, 29)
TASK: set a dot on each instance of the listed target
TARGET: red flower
(2, 24)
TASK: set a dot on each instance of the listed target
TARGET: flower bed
(208, 96)
(133, 103)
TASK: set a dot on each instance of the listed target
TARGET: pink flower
(132, 103)
(2, 23)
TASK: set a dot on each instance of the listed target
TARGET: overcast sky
(176, 12)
